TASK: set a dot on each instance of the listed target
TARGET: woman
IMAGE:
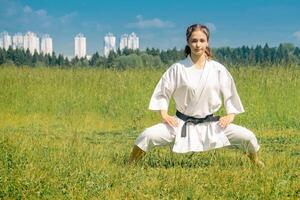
(197, 85)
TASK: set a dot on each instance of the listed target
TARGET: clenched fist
(225, 120)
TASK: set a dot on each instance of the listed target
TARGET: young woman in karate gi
(197, 85)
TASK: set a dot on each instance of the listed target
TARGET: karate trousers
(161, 134)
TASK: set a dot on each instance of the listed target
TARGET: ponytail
(208, 53)
(187, 51)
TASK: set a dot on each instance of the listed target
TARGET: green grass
(67, 134)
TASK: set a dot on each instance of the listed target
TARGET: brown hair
(189, 31)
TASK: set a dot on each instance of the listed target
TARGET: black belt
(189, 119)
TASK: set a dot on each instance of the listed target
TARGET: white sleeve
(163, 91)
(232, 100)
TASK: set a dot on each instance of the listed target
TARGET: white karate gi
(197, 93)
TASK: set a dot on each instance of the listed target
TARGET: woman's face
(198, 43)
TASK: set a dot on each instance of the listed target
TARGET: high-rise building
(46, 45)
(80, 45)
(17, 41)
(123, 41)
(31, 42)
(129, 41)
(109, 44)
(133, 41)
(6, 40)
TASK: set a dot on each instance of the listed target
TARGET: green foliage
(131, 60)
(285, 54)
(151, 61)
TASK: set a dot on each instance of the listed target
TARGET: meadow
(67, 134)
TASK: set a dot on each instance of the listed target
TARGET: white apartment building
(80, 45)
(18, 41)
(129, 41)
(123, 41)
(31, 42)
(6, 40)
(133, 41)
(46, 45)
(109, 44)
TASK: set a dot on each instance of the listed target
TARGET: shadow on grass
(120, 137)
(163, 158)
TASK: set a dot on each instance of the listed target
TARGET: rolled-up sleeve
(232, 101)
(163, 91)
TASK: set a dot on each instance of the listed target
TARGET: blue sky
(158, 23)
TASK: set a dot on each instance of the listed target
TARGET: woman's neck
(198, 61)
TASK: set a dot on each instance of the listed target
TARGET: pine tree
(53, 59)
(2, 56)
(60, 60)
(35, 58)
(28, 58)
(94, 59)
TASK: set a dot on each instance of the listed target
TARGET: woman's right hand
(168, 119)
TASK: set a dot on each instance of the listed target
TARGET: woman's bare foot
(254, 158)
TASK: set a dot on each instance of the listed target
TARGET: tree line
(283, 55)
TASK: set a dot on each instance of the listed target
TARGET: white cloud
(150, 23)
(36, 18)
(297, 35)
(211, 26)
(41, 13)
(15, 14)
(68, 17)
(8, 8)
(9, 12)
(26, 16)
(27, 9)
(94, 25)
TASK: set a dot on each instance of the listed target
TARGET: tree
(53, 59)
(84, 62)
(67, 62)
(34, 58)
(296, 52)
(60, 60)
(74, 61)
(28, 58)
(101, 62)
(282, 54)
(151, 61)
(258, 51)
(94, 59)
(267, 53)
(19, 57)
(47, 59)
(2, 56)
(10, 53)
(130, 61)
(119, 52)
(110, 59)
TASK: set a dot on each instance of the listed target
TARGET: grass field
(67, 134)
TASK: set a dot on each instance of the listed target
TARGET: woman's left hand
(225, 120)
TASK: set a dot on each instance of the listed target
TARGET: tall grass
(67, 133)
